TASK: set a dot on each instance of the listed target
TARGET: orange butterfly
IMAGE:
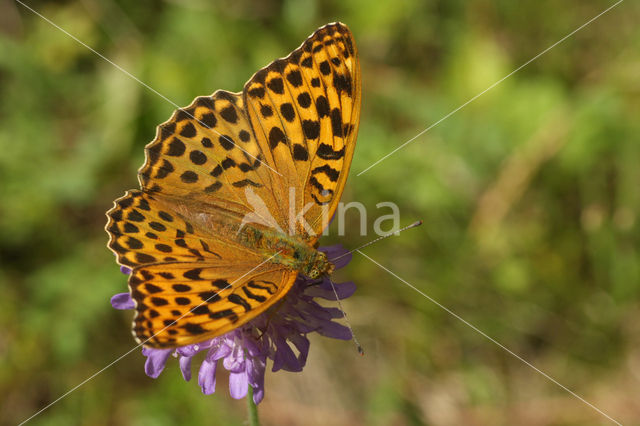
(235, 191)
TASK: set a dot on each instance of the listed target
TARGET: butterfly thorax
(286, 250)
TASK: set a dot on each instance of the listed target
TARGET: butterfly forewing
(304, 110)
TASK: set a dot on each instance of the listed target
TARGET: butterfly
(235, 191)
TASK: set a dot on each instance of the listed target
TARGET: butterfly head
(319, 266)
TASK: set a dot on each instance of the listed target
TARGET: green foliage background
(530, 197)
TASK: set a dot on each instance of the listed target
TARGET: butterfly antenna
(344, 315)
(382, 237)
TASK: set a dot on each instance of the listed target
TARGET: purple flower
(276, 335)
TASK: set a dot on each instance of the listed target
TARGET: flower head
(272, 335)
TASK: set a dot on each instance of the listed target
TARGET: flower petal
(185, 367)
(302, 344)
(255, 371)
(125, 270)
(284, 357)
(325, 291)
(258, 395)
(335, 331)
(191, 350)
(235, 362)
(156, 360)
(238, 385)
(207, 376)
(122, 301)
(222, 351)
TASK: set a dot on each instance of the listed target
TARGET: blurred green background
(530, 197)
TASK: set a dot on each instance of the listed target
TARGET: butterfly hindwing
(204, 283)
(183, 303)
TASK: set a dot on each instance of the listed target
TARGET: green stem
(253, 409)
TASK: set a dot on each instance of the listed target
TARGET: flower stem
(253, 409)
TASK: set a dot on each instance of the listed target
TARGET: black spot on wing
(129, 228)
(246, 182)
(189, 177)
(326, 152)
(159, 301)
(152, 288)
(164, 248)
(257, 92)
(336, 122)
(188, 130)
(197, 157)
(266, 288)
(226, 142)
(217, 171)
(307, 62)
(193, 328)
(176, 148)
(227, 163)
(221, 284)
(165, 216)
(276, 136)
(342, 83)
(322, 105)
(239, 300)
(164, 170)
(213, 187)
(200, 310)
(244, 136)
(266, 110)
(209, 120)
(287, 111)
(300, 153)
(295, 78)
(255, 297)
(304, 100)
(320, 203)
(229, 114)
(223, 314)
(325, 68)
(276, 85)
(157, 226)
(181, 288)
(193, 274)
(167, 130)
(135, 216)
(209, 296)
(311, 129)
